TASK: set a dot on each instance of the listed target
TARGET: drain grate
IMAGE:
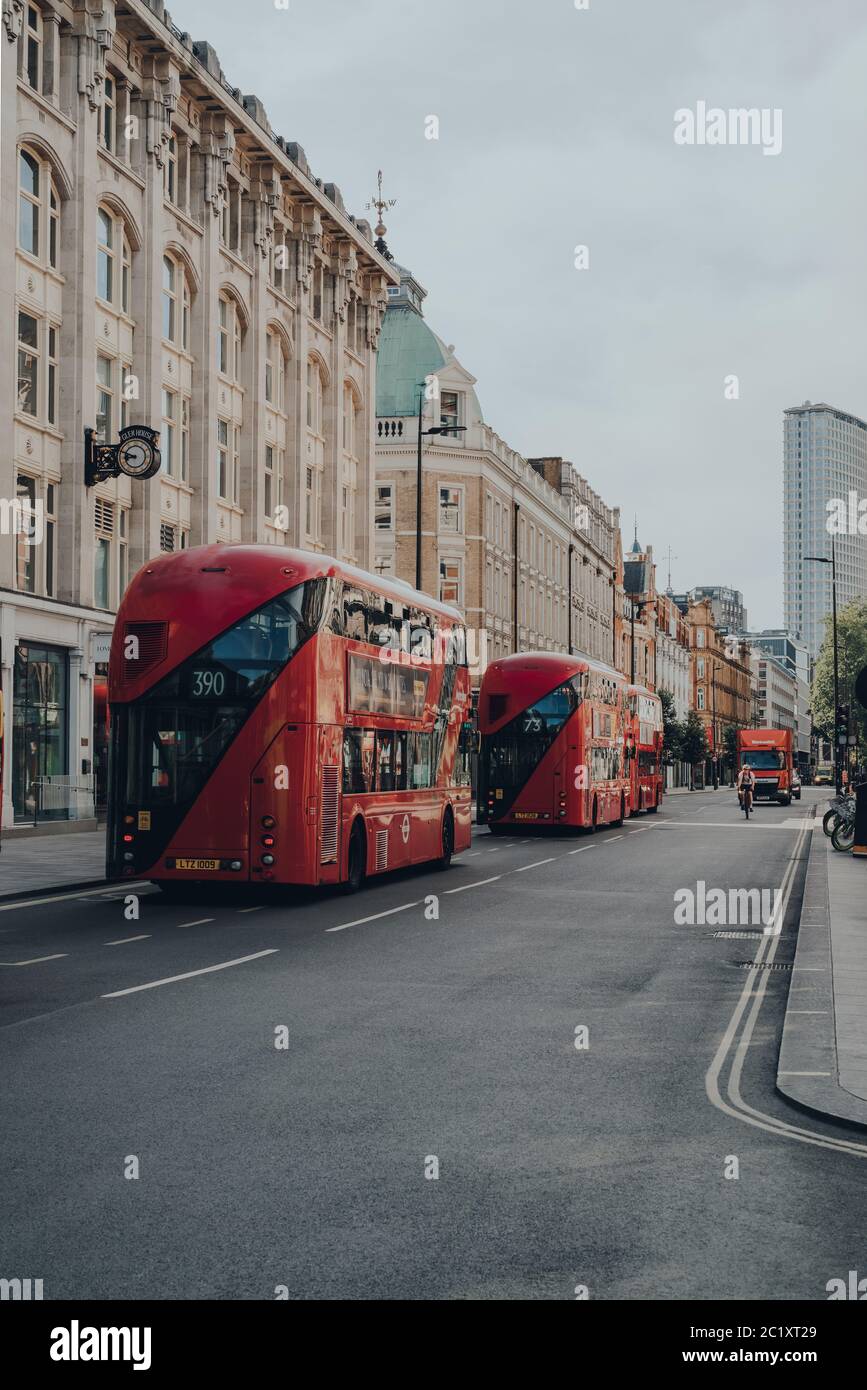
(738, 935)
(763, 965)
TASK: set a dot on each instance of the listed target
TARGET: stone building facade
(524, 547)
(722, 682)
(169, 261)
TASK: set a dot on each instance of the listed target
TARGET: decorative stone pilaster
(215, 151)
(93, 25)
(375, 296)
(344, 267)
(13, 19)
(265, 196)
(307, 231)
(158, 101)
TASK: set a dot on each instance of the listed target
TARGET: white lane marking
(718, 825)
(524, 867)
(611, 839)
(37, 960)
(359, 921)
(581, 850)
(199, 922)
(803, 1073)
(250, 909)
(480, 883)
(471, 852)
(124, 939)
(807, 1011)
(738, 1108)
(189, 974)
(62, 897)
(495, 850)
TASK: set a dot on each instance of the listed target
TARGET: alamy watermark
(733, 907)
(19, 516)
(741, 125)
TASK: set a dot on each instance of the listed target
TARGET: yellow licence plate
(197, 864)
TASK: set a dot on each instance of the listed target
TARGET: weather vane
(381, 204)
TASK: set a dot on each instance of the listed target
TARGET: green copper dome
(408, 352)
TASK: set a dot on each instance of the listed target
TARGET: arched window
(113, 260)
(176, 303)
(229, 339)
(38, 208)
(32, 38)
(275, 371)
(314, 396)
(351, 421)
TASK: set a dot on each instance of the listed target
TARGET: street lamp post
(823, 560)
(715, 759)
(434, 429)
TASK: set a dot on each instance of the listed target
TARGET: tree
(693, 740)
(671, 728)
(730, 745)
(852, 644)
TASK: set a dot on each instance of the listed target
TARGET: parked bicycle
(843, 834)
(838, 807)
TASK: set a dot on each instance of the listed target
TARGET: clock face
(138, 458)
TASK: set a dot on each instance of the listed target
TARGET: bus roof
(555, 662)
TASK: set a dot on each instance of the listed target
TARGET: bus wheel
(594, 824)
(356, 865)
(448, 841)
(622, 815)
(652, 810)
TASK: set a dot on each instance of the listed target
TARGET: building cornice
(307, 189)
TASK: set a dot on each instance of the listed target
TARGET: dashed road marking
(374, 916)
(480, 883)
(190, 974)
(536, 865)
(36, 960)
(122, 941)
(199, 922)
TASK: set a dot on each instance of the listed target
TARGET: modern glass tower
(824, 457)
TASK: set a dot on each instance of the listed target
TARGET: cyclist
(746, 783)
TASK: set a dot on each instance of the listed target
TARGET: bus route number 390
(206, 683)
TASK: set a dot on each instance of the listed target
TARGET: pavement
(503, 1081)
(34, 863)
(823, 1057)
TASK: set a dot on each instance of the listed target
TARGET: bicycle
(746, 796)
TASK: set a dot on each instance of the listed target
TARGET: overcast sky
(556, 129)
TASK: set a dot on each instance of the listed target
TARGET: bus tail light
(268, 841)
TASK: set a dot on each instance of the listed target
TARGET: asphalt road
(410, 1038)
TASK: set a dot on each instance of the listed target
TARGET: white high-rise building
(824, 458)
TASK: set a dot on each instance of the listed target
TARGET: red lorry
(769, 753)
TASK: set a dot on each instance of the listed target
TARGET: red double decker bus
(645, 759)
(279, 717)
(553, 743)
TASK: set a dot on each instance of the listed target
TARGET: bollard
(859, 848)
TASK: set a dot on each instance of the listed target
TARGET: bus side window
(357, 760)
(400, 762)
(420, 775)
(384, 760)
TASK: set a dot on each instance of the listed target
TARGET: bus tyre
(356, 859)
(652, 810)
(594, 823)
(622, 815)
(448, 840)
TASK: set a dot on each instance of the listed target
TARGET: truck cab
(769, 753)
